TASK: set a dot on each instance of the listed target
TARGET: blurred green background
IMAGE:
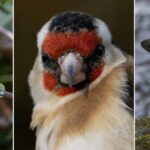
(29, 18)
(6, 14)
(6, 39)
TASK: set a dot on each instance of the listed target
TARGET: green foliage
(6, 14)
(2, 87)
(143, 142)
(5, 71)
(6, 22)
(5, 76)
(142, 123)
(4, 3)
(5, 138)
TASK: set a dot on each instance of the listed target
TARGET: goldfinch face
(74, 49)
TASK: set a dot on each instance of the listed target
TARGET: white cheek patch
(41, 35)
(114, 56)
(102, 31)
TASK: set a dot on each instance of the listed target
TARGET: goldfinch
(81, 84)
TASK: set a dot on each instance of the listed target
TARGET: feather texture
(98, 120)
(95, 116)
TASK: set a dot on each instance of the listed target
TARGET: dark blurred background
(29, 18)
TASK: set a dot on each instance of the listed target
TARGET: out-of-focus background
(29, 18)
(5, 74)
(142, 78)
(142, 94)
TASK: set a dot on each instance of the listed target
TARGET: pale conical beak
(70, 74)
(72, 70)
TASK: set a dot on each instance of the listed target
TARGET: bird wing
(129, 67)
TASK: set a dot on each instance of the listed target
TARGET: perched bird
(146, 44)
(81, 84)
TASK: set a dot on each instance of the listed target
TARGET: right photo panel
(142, 71)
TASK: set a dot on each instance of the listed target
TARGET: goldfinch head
(75, 50)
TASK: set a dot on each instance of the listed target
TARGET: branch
(6, 95)
(6, 115)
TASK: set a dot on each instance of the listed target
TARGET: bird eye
(96, 58)
(49, 62)
(99, 50)
(45, 58)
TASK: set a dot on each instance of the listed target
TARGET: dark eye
(49, 62)
(99, 50)
(45, 58)
(98, 53)
(95, 59)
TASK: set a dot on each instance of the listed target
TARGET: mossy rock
(142, 138)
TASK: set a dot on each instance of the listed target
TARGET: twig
(6, 95)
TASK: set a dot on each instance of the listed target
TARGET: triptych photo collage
(75, 75)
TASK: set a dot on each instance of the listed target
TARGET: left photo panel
(6, 78)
